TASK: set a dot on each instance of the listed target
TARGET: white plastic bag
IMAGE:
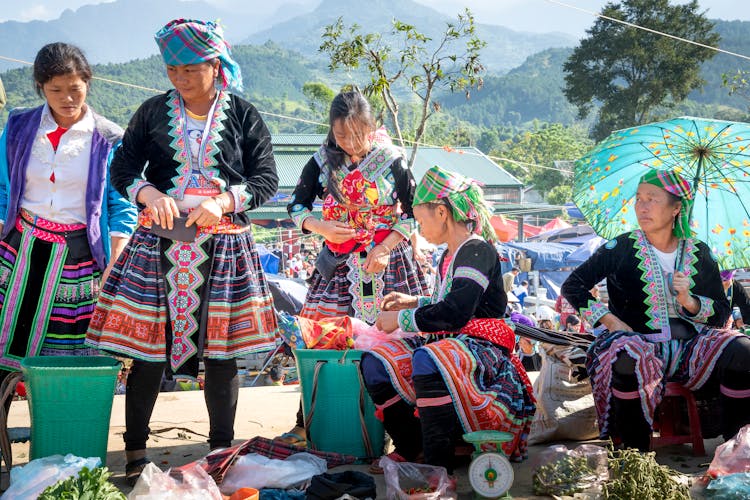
(257, 471)
(29, 481)
(192, 484)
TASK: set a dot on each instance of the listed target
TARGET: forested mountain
(735, 37)
(532, 91)
(272, 75)
(505, 49)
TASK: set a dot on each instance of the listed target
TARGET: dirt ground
(180, 422)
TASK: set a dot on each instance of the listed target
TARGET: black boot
(399, 421)
(440, 425)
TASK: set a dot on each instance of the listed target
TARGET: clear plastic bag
(30, 480)
(559, 471)
(190, 484)
(733, 456)
(409, 481)
(258, 471)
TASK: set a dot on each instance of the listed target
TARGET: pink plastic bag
(409, 481)
(366, 337)
(733, 456)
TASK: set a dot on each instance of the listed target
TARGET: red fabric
(354, 245)
(327, 333)
(54, 137)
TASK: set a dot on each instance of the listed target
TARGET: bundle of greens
(89, 485)
(566, 476)
(637, 475)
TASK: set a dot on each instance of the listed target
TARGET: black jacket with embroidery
(239, 153)
(637, 288)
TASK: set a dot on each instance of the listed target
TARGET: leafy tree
(319, 97)
(631, 71)
(738, 83)
(560, 195)
(543, 146)
(451, 62)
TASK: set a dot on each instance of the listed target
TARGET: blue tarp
(268, 260)
(544, 256)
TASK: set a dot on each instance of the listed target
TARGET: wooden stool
(669, 414)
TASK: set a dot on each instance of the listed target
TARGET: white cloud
(37, 12)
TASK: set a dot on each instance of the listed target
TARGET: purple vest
(21, 132)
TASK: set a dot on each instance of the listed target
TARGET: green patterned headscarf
(674, 183)
(464, 194)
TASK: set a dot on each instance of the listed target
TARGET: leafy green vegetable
(89, 485)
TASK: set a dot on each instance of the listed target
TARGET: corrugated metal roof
(314, 140)
(468, 161)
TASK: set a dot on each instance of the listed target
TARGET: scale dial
(490, 475)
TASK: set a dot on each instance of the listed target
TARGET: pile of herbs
(88, 485)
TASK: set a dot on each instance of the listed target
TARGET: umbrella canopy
(556, 223)
(712, 155)
(566, 233)
(507, 229)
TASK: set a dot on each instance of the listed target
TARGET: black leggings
(220, 391)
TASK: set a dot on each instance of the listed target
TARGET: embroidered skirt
(178, 302)
(353, 292)
(489, 390)
(689, 362)
(47, 291)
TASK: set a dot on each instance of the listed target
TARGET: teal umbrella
(713, 155)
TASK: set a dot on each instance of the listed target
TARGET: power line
(656, 32)
(449, 149)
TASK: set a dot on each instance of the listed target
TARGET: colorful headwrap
(188, 41)
(674, 183)
(465, 196)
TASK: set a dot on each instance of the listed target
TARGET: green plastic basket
(342, 403)
(70, 402)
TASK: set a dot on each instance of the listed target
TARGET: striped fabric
(352, 292)
(212, 290)
(47, 296)
(489, 391)
(189, 41)
(689, 362)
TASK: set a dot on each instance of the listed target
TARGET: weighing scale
(490, 473)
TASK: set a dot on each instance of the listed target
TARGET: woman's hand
(163, 208)
(396, 301)
(614, 324)
(387, 321)
(681, 288)
(377, 259)
(208, 213)
(333, 230)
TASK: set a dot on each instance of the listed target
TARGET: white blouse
(62, 201)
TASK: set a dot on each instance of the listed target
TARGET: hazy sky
(522, 15)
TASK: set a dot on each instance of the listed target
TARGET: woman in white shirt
(61, 223)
